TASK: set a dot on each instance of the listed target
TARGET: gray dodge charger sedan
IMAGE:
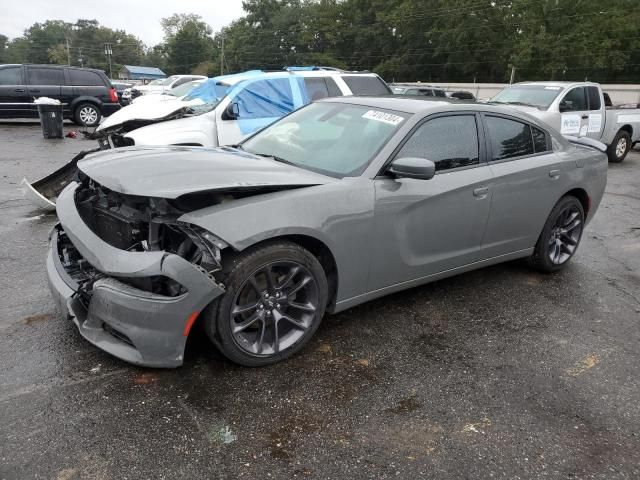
(338, 203)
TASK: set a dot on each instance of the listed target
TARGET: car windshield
(205, 96)
(169, 80)
(185, 88)
(540, 96)
(334, 139)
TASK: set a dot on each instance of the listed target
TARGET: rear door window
(540, 140)
(45, 76)
(85, 78)
(439, 93)
(11, 76)
(366, 85)
(574, 101)
(332, 87)
(594, 98)
(316, 88)
(449, 142)
(265, 99)
(509, 138)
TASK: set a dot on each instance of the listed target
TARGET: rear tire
(87, 114)
(275, 299)
(620, 146)
(560, 236)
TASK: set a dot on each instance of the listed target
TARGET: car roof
(426, 105)
(234, 78)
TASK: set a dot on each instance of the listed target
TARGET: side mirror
(564, 106)
(232, 112)
(412, 167)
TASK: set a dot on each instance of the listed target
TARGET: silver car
(340, 202)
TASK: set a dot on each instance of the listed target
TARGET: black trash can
(51, 120)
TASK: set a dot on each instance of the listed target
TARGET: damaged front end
(130, 275)
(44, 192)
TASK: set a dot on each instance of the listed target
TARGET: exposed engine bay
(144, 224)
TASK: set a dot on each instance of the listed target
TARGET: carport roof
(144, 70)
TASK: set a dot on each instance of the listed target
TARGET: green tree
(188, 42)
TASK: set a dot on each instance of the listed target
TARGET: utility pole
(222, 57)
(68, 54)
(513, 74)
(81, 58)
(108, 51)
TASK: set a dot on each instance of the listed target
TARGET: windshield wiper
(273, 157)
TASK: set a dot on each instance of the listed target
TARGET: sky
(138, 17)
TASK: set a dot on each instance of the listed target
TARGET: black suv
(86, 94)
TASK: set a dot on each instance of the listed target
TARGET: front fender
(339, 214)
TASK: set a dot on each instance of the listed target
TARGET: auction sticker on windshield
(383, 117)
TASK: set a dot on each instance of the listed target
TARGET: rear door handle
(481, 192)
(554, 173)
(34, 90)
(19, 90)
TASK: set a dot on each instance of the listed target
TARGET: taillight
(113, 94)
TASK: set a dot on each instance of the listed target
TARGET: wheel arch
(85, 99)
(627, 128)
(582, 196)
(318, 249)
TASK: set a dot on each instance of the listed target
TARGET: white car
(162, 85)
(175, 94)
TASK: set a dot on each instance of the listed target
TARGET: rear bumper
(135, 325)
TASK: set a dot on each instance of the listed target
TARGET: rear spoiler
(587, 142)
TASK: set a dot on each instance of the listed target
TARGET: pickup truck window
(509, 138)
(594, 98)
(574, 101)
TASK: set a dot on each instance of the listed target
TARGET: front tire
(560, 236)
(619, 147)
(87, 114)
(275, 299)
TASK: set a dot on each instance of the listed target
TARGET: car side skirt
(352, 302)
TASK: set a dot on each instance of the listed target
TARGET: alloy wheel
(273, 308)
(621, 147)
(88, 115)
(565, 235)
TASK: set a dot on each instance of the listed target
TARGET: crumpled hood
(145, 111)
(169, 172)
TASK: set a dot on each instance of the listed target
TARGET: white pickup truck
(578, 109)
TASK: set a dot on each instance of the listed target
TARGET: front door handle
(554, 174)
(584, 117)
(19, 90)
(481, 192)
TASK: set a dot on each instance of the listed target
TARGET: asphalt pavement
(498, 373)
